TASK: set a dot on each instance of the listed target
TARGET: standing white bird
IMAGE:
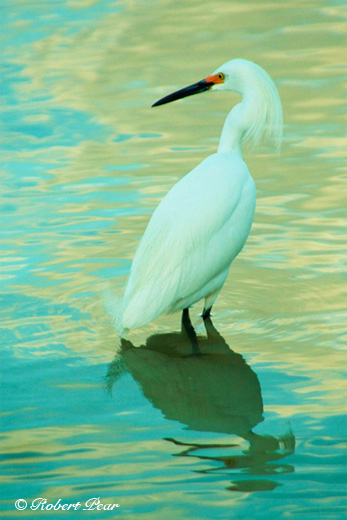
(203, 222)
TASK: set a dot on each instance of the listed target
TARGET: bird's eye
(221, 75)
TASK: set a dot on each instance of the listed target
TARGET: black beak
(200, 86)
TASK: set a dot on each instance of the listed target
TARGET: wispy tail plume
(114, 308)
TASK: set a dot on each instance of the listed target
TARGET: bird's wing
(184, 245)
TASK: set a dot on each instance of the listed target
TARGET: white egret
(203, 222)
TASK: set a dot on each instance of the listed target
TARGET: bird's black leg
(188, 328)
(206, 313)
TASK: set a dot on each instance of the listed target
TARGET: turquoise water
(256, 427)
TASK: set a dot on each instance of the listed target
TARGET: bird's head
(230, 76)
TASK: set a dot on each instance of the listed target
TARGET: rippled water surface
(254, 429)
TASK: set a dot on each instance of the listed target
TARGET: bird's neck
(235, 127)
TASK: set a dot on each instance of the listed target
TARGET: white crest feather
(269, 117)
(260, 112)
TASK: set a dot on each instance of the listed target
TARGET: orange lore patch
(215, 78)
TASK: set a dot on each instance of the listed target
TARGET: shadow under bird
(203, 222)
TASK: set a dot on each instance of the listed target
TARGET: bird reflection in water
(214, 391)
